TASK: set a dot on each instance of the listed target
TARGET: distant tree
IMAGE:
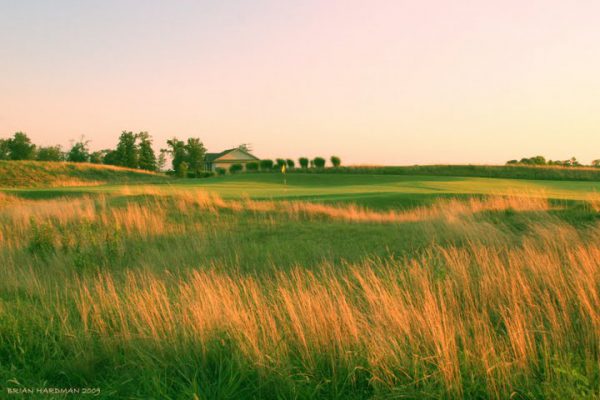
(4, 152)
(235, 168)
(247, 147)
(290, 163)
(99, 157)
(127, 150)
(538, 160)
(252, 166)
(319, 162)
(312, 163)
(266, 165)
(574, 163)
(111, 157)
(195, 152)
(182, 170)
(147, 158)
(220, 171)
(79, 151)
(280, 163)
(303, 161)
(335, 161)
(162, 159)
(596, 163)
(20, 147)
(510, 162)
(177, 152)
(50, 153)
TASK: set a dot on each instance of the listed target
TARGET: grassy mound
(15, 174)
(483, 171)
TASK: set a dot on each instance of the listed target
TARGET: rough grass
(24, 174)
(155, 293)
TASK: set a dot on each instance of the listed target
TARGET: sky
(374, 82)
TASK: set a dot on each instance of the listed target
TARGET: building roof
(210, 157)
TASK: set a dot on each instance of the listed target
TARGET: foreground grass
(166, 293)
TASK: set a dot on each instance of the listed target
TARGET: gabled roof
(210, 157)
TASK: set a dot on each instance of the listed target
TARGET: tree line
(541, 160)
(134, 150)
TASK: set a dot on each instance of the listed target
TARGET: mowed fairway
(329, 286)
(378, 191)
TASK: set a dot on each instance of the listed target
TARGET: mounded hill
(15, 174)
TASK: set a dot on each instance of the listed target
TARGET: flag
(283, 169)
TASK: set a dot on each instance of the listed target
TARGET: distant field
(330, 286)
(543, 172)
(20, 174)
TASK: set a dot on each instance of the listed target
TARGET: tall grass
(503, 300)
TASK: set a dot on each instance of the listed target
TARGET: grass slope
(15, 174)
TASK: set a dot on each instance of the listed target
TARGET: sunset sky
(375, 82)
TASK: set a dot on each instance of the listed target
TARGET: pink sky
(382, 82)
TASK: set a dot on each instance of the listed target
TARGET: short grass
(331, 286)
(377, 191)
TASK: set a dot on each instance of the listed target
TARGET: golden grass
(153, 215)
(515, 307)
(446, 209)
(495, 309)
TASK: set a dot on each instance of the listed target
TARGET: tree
(220, 171)
(146, 158)
(252, 166)
(127, 151)
(280, 163)
(235, 168)
(195, 152)
(312, 163)
(20, 147)
(111, 157)
(596, 163)
(50, 153)
(336, 161)
(303, 161)
(266, 165)
(319, 162)
(4, 152)
(79, 151)
(97, 157)
(290, 163)
(182, 170)
(162, 159)
(178, 153)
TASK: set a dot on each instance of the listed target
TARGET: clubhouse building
(227, 158)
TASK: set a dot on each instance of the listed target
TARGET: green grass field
(331, 286)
